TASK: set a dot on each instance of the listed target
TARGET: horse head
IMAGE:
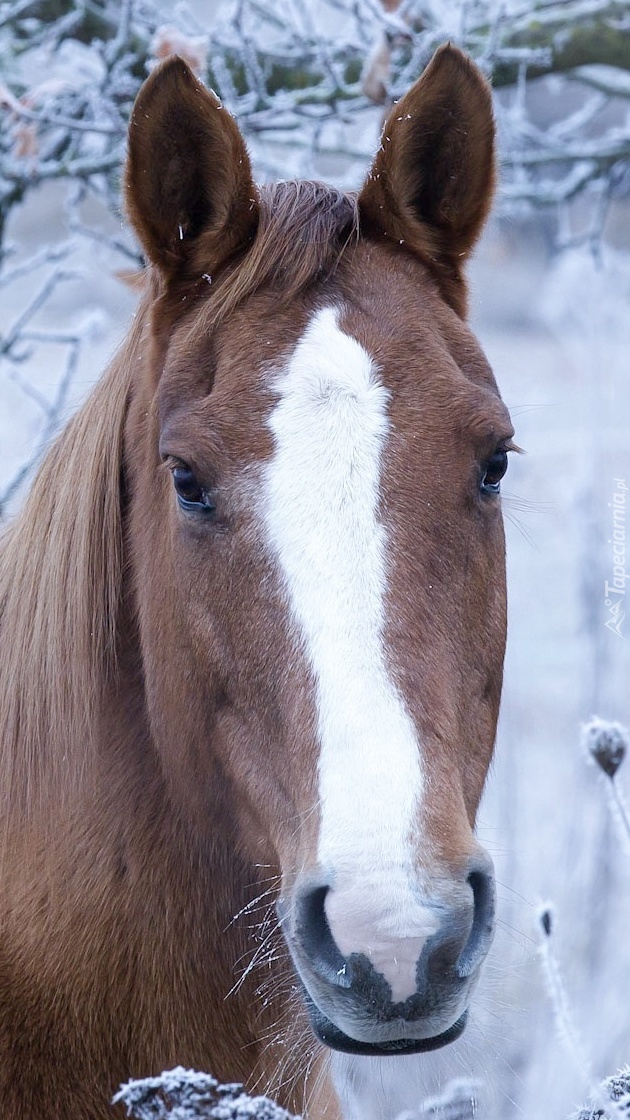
(313, 460)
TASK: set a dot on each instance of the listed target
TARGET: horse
(252, 627)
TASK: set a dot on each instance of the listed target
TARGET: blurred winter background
(551, 304)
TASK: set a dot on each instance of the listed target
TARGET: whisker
(249, 906)
(521, 528)
(256, 959)
(526, 505)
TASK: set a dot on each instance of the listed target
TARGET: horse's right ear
(188, 182)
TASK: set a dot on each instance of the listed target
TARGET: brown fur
(158, 776)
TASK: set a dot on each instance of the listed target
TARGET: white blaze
(330, 429)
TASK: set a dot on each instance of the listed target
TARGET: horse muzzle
(407, 985)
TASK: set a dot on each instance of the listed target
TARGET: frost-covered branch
(19, 345)
(52, 411)
(566, 35)
(282, 70)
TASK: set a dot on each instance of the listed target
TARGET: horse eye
(495, 468)
(190, 494)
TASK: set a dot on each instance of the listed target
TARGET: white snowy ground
(558, 335)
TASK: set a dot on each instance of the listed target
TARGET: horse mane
(61, 561)
(60, 584)
(303, 229)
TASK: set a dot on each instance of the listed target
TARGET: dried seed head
(546, 920)
(606, 743)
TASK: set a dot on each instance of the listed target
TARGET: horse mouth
(333, 1037)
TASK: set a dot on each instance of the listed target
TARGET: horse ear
(188, 182)
(432, 180)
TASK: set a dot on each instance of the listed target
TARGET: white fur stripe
(330, 429)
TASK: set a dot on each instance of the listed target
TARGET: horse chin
(333, 1037)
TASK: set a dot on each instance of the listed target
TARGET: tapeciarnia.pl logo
(615, 590)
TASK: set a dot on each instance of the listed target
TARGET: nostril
(481, 882)
(317, 942)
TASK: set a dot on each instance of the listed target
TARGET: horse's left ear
(188, 182)
(432, 181)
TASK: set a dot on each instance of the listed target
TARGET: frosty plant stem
(566, 1029)
(622, 810)
(564, 1023)
(606, 743)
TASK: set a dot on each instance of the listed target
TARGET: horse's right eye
(191, 495)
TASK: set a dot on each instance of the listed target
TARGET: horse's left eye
(494, 470)
(191, 495)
